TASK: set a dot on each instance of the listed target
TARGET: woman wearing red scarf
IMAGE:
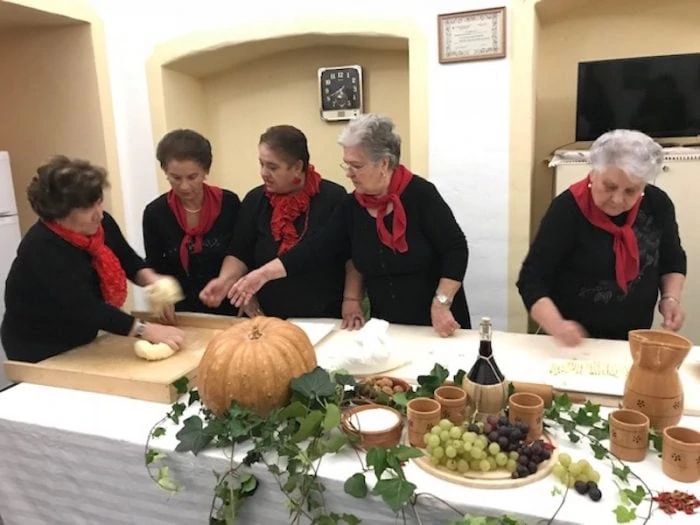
(68, 280)
(398, 231)
(289, 208)
(607, 248)
(187, 230)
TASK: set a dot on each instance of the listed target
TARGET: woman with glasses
(187, 230)
(289, 209)
(396, 228)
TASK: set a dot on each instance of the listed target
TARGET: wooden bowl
(388, 437)
(365, 400)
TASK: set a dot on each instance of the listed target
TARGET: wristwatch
(140, 327)
(443, 299)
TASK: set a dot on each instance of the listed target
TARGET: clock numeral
(354, 88)
(328, 82)
(332, 76)
(326, 91)
(354, 80)
(340, 74)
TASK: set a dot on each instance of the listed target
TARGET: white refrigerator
(9, 240)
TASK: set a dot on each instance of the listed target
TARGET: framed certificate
(472, 35)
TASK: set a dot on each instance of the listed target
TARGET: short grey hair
(635, 153)
(375, 134)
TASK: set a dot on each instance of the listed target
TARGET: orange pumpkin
(253, 363)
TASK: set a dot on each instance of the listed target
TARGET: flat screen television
(658, 95)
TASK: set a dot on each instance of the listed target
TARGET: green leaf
(333, 443)
(511, 389)
(599, 433)
(624, 515)
(555, 491)
(376, 459)
(404, 453)
(332, 418)
(249, 484)
(192, 436)
(562, 402)
(636, 496)
(622, 473)
(157, 432)
(350, 519)
(325, 520)
(309, 425)
(356, 485)
(438, 376)
(458, 378)
(293, 410)
(395, 492)
(176, 412)
(656, 440)
(164, 480)
(181, 385)
(400, 399)
(152, 456)
(343, 378)
(194, 397)
(599, 451)
(314, 384)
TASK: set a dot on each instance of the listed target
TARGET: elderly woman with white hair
(606, 248)
(398, 231)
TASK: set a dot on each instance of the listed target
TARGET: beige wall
(49, 102)
(597, 30)
(283, 89)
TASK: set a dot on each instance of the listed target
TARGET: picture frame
(472, 35)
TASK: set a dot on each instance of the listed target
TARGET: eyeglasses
(351, 169)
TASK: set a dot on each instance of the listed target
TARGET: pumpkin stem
(255, 333)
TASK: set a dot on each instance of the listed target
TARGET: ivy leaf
(192, 436)
(376, 459)
(511, 389)
(314, 384)
(458, 378)
(635, 496)
(555, 491)
(624, 515)
(622, 473)
(293, 410)
(181, 385)
(356, 485)
(404, 453)
(249, 484)
(599, 451)
(333, 443)
(152, 456)
(176, 412)
(562, 402)
(350, 519)
(332, 418)
(599, 433)
(194, 397)
(308, 426)
(395, 492)
(656, 440)
(400, 399)
(438, 376)
(344, 379)
(158, 431)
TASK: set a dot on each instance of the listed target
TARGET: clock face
(341, 89)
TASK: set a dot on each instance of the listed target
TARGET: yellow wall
(49, 100)
(283, 89)
(595, 31)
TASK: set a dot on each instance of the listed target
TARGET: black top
(400, 286)
(310, 292)
(162, 236)
(572, 262)
(53, 296)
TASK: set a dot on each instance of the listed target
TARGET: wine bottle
(485, 370)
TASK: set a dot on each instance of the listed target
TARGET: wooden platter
(109, 365)
(497, 479)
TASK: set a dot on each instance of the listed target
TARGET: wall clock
(340, 92)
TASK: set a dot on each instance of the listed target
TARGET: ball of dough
(163, 293)
(152, 352)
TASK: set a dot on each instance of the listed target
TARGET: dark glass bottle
(485, 370)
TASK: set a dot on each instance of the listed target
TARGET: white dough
(152, 352)
(163, 293)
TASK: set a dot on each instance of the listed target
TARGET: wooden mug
(629, 434)
(453, 401)
(423, 414)
(528, 408)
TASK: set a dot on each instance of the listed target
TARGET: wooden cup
(366, 439)
(680, 460)
(528, 408)
(453, 401)
(423, 414)
(629, 434)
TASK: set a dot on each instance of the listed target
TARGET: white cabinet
(681, 181)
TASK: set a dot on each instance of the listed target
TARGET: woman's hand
(158, 333)
(252, 309)
(214, 292)
(353, 318)
(568, 333)
(246, 287)
(673, 313)
(167, 315)
(443, 321)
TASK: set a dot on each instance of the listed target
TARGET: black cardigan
(572, 262)
(52, 296)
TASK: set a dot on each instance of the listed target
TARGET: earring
(642, 194)
(589, 185)
(296, 180)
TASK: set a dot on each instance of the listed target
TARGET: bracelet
(671, 298)
(352, 299)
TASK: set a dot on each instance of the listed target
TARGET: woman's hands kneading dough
(158, 342)
(163, 294)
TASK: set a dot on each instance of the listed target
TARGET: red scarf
(396, 239)
(625, 245)
(211, 208)
(105, 263)
(286, 208)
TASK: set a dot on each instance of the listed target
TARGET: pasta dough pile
(163, 293)
(587, 368)
(152, 352)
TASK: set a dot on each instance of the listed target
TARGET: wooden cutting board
(109, 365)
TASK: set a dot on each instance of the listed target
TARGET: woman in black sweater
(187, 231)
(399, 232)
(288, 210)
(606, 247)
(69, 277)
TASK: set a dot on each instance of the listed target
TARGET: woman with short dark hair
(68, 280)
(288, 209)
(187, 230)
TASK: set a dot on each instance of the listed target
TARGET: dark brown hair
(288, 142)
(184, 144)
(65, 184)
